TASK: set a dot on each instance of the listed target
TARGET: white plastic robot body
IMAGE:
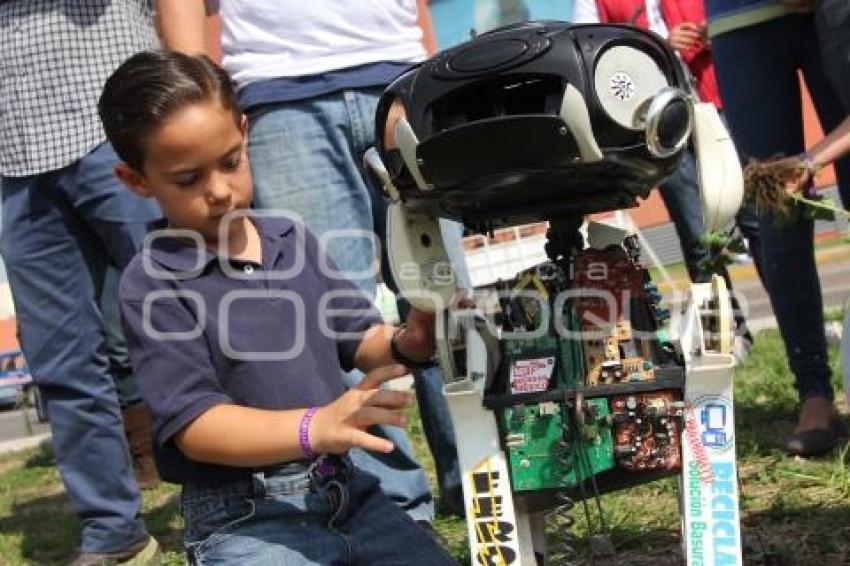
(501, 531)
(501, 528)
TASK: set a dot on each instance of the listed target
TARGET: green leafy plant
(765, 185)
(721, 245)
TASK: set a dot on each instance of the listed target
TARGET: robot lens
(673, 125)
(668, 122)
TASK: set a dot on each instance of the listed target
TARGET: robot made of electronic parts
(572, 378)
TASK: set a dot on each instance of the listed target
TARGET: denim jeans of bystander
(757, 70)
(60, 230)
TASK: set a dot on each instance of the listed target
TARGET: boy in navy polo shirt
(238, 328)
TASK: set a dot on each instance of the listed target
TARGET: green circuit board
(568, 372)
(542, 456)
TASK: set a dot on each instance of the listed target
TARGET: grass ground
(795, 512)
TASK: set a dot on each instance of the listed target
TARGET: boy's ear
(134, 181)
(244, 126)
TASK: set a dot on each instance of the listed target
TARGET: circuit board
(537, 364)
(545, 453)
(647, 429)
(600, 357)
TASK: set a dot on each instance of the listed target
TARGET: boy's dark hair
(151, 85)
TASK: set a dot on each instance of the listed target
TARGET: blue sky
(453, 19)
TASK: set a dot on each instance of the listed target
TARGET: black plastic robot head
(535, 121)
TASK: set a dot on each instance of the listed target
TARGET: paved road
(13, 426)
(835, 289)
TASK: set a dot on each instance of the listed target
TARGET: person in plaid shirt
(65, 219)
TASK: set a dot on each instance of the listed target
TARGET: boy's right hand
(341, 425)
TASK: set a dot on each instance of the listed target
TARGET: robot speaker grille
(625, 80)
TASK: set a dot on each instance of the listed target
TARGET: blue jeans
(306, 157)
(116, 347)
(757, 72)
(682, 199)
(293, 515)
(60, 230)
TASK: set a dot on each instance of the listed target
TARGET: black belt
(252, 482)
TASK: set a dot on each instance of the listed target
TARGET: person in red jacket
(682, 24)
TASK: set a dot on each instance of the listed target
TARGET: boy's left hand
(416, 339)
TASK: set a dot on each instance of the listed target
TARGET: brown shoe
(139, 431)
(146, 552)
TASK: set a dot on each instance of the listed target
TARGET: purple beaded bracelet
(304, 432)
